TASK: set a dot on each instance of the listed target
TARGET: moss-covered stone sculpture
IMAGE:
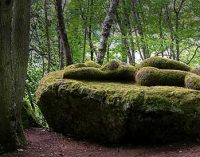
(84, 102)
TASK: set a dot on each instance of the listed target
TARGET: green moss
(85, 73)
(92, 64)
(149, 76)
(112, 112)
(196, 71)
(192, 81)
(74, 66)
(164, 63)
(122, 73)
(112, 65)
(28, 117)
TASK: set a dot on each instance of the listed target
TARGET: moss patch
(121, 73)
(196, 71)
(92, 64)
(112, 112)
(112, 65)
(28, 117)
(149, 76)
(164, 63)
(192, 81)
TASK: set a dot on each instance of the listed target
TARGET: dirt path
(42, 143)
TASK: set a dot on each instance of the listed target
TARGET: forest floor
(43, 143)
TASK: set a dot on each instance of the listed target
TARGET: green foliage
(164, 63)
(150, 76)
(111, 112)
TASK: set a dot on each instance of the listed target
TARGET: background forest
(140, 29)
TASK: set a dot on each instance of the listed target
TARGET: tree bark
(7, 136)
(48, 44)
(20, 51)
(177, 16)
(170, 25)
(63, 33)
(107, 24)
(14, 48)
(139, 29)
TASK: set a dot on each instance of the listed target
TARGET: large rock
(113, 112)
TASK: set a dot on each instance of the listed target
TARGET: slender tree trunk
(139, 29)
(88, 29)
(60, 48)
(63, 33)
(84, 44)
(161, 29)
(47, 35)
(177, 16)
(107, 24)
(92, 48)
(170, 25)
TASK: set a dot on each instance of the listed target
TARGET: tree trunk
(107, 24)
(60, 48)
(7, 123)
(20, 51)
(139, 29)
(13, 64)
(177, 16)
(48, 49)
(63, 33)
(170, 25)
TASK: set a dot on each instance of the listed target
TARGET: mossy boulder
(113, 112)
(149, 76)
(112, 65)
(92, 64)
(192, 81)
(81, 65)
(75, 66)
(84, 73)
(164, 63)
(112, 71)
(196, 71)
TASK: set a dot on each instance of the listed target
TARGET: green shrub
(164, 63)
(192, 81)
(113, 112)
(112, 65)
(149, 76)
(92, 64)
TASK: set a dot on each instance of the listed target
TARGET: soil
(44, 143)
